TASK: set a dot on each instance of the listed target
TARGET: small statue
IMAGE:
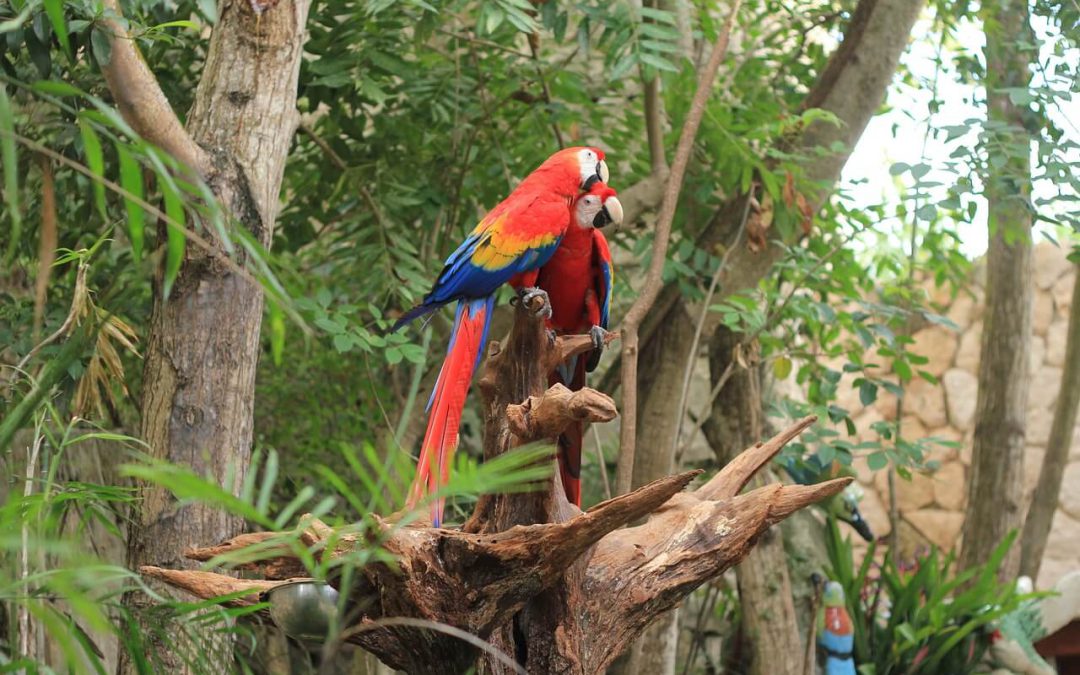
(835, 632)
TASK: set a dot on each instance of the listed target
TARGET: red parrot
(578, 281)
(513, 240)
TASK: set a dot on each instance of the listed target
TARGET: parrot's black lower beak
(602, 219)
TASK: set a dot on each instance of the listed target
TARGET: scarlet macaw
(515, 238)
(578, 281)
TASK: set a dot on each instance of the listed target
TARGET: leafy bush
(924, 617)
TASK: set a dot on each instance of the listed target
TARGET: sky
(898, 134)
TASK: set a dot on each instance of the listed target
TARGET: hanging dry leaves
(807, 212)
(758, 223)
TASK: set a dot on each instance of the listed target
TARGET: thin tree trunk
(203, 348)
(659, 376)
(851, 88)
(1045, 500)
(995, 493)
(768, 609)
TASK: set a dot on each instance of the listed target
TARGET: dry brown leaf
(758, 223)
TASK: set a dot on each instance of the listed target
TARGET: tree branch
(141, 101)
(654, 281)
(1045, 500)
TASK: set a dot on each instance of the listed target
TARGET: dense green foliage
(921, 617)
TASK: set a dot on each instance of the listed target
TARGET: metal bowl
(303, 608)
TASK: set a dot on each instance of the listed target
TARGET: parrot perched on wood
(513, 240)
(835, 632)
(578, 281)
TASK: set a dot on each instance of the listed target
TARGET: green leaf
(899, 168)
(277, 331)
(132, 181)
(867, 392)
(343, 342)
(877, 461)
(782, 368)
(100, 46)
(920, 170)
(902, 370)
(96, 162)
(657, 62)
(11, 171)
(176, 241)
(55, 10)
(393, 355)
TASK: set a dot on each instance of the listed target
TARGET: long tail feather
(572, 439)
(448, 400)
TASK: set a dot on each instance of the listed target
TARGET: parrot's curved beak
(860, 525)
(600, 176)
(611, 213)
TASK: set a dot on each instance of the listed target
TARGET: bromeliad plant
(920, 618)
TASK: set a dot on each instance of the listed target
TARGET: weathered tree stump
(553, 589)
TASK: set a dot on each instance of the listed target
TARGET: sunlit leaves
(132, 182)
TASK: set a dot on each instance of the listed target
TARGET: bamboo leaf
(131, 181)
(174, 251)
(55, 10)
(95, 160)
(11, 171)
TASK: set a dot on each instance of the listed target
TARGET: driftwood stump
(553, 589)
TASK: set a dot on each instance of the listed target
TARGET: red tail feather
(447, 402)
(572, 439)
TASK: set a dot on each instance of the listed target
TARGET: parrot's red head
(598, 207)
(571, 170)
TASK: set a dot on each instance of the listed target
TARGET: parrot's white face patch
(587, 208)
(591, 165)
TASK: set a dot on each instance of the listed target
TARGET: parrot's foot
(527, 295)
(599, 337)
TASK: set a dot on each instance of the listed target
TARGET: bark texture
(768, 609)
(203, 346)
(995, 492)
(1044, 502)
(552, 589)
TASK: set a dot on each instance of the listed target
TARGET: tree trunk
(660, 371)
(768, 609)
(203, 348)
(995, 493)
(851, 87)
(1047, 491)
(548, 588)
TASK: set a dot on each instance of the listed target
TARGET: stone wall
(931, 505)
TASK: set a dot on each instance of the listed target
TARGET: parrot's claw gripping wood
(530, 574)
(599, 338)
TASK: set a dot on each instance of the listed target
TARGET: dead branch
(528, 574)
(549, 415)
